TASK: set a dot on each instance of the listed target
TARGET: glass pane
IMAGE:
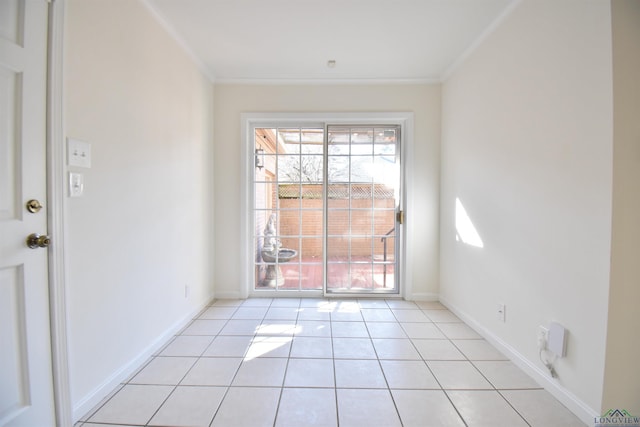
(338, 248)
(338, 222)
(384, 222)
(385, 170)
(311, 168)
(361, 149)
(361, 276)
(338, 169)
(311, 223)
(361, 135)
(385, 149)
(383, 275)
(310, 250)
(338, 276)
(291, 274)
(361, 169)
(311, 276)
(361, 220)
(361, 196)
(385, 135)
(361, 249)
(289, 168)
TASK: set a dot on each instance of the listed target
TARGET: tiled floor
(313, 362)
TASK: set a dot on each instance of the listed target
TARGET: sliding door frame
(250, 121)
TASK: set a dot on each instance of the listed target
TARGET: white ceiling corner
(289, 41)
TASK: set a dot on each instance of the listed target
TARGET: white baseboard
(566, 397)
(422, 296)
(229, 295)
(92, 399)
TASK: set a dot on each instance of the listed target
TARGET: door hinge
(400, 217)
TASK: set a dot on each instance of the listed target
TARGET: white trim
(164, 23)
(249, 120)
(307, 82)
(56, 215)
(423, 296)
(567, 398)
(100, 392)
(479, 40)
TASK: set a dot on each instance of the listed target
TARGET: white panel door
(26, 392)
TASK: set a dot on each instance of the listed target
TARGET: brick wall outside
(364, 216)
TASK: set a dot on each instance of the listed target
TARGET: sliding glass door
(326, 205)
(363, 185)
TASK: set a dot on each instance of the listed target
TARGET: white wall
(527, 148)
(422, 100)
(622, 376)
(142, 230)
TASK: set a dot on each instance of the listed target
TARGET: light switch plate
(78, 153)
(76, 184)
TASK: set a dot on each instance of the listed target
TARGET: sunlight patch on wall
(465, 230)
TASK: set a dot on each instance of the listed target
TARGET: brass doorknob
(38, 241)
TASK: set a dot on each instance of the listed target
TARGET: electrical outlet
(501, 313)
(543, 337)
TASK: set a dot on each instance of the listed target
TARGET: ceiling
(285, 40)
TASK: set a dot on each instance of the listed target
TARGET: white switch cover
(76, 184)
(78, 153)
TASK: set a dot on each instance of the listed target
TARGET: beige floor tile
(204, 327)
(248, 407)
(213, 371)
(276, 327)
(262, 372)
(349, 330)
(441, 316)
(430, 305)
(187, 345)
(286, 302)
(309, 373)
(485, 408)
(344, 315)
(402, 304)
(314, 313)
(359, 374)
(282, 313)
(478, 350)
(164, 371)
(437, 350)
(410, 316)
(189, 406)
(227, 303)
(377, 315)
(218, 313)
(240, 327)
(458, 375)
(250, 313)
(307, 407)
(422, 330)
(269, 346)
(458, 331)
(408, 374)
(372, 303)
(371, 408)
(396, 349)
(353, 348)
(505, 375)
(313, 347)
(133, 404)
(385, 330)
(228, 346)
(541, 409)
(425, 408)
(257, 302)
(313, 328)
